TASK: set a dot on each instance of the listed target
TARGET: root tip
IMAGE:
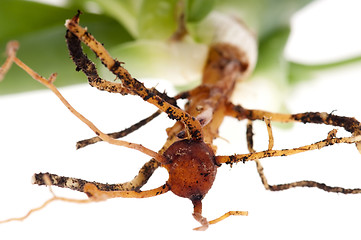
(33, 179)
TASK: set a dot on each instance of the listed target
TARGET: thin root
(285, 152)
(47, 202)
(270, 134)
(11, 49)
(49, 84)
(221, 218)
(120, 134)
(197, 214)
(128, 82)
(280, 187)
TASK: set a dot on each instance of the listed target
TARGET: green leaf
(157, 19)
(301, 72)
(18, 18)
(149, 23)
(179, 62)
(197, 10)
(271, 62)
(42, 42)
(126, 12)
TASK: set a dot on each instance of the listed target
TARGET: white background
(38, 134)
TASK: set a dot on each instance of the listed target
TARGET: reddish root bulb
(192, 169)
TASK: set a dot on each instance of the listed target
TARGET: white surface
(327, 31)
(39, 134)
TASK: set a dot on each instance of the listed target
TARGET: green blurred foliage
(134, 29)
(197, 10)
(301, 72)
(263, 16)
(40, 30)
